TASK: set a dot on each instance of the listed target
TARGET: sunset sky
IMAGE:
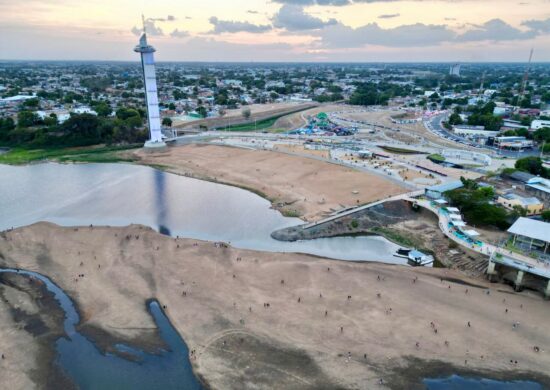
(278, 30)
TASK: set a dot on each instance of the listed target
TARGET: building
(437, 191)
(540, 188)
(473, 131)
(539, 124)
(531, 235)
(151, 94)
(517, 143)
(511, 124)
(532, 205)
(454, 70)
(520, 176)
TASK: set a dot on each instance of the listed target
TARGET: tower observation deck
(151, 95)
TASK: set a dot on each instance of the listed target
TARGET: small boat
(414, 257)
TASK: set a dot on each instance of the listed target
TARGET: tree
(6, 124)
(167, 122)
(125, 113)
(27, 119)
(202, 111)
(103, 109)
(545, 215)
(246, 113)
(533, 165)
(221, 111)
(31, 103)
(82, 129)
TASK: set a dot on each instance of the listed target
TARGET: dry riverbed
(311, 336)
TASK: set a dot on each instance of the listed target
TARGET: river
(88, 368)
(122, 194)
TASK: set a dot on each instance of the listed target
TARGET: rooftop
(531, 228)
(453, 185)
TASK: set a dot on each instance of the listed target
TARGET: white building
(455, 70)
(539, 124)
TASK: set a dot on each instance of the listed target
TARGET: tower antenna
(143, 21)
(525, 79)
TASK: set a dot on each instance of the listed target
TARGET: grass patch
(262, 124)
(400, 150)
(392, 235)
(436, 158)
(19, 156)
(291, 213)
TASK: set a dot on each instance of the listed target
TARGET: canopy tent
(440, 201)
(458, 223)
(453, 209)
(456, 217)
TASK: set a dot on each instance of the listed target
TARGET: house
(532, 205)
(539, 124)
(540, 188)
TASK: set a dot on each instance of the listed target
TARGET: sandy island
(297, 186)
(311, 336)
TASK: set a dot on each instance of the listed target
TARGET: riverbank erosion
(297, 186)
(257, 318)
(401, 223)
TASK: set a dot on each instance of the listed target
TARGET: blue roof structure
(453, 185)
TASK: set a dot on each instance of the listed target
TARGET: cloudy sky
(278, 30)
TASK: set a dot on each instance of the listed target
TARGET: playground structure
(320, 124)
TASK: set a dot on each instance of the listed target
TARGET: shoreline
(216, 308)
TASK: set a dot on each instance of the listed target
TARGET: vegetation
(483, 116)
(436, 158)
(260, 124)
(545, 215)
(401, 150)
(533, 165)
(79, 130)
(474, 202)
(81, 154)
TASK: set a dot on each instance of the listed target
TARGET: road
(434, 125)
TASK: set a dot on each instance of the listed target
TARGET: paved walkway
(496, 254)
(406, 196)
(506, 257)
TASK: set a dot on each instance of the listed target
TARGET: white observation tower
(151, 96)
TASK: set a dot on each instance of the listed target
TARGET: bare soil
(297, 186)
(329, 324)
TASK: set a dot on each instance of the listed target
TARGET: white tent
(459, 223)
(440, 201)
(453, 210)
(454, 217)
(471, 233)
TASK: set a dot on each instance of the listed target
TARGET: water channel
(121, 194)
(88, 368)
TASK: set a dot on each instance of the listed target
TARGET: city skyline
(280, 30)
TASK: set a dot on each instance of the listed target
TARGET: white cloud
(293, 18)
(341, 36)
(542, 26)
(151, 28)
(496, 30)
(231, 26)
(179, 34)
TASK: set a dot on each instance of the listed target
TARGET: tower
(454, 70)
(151, 96)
